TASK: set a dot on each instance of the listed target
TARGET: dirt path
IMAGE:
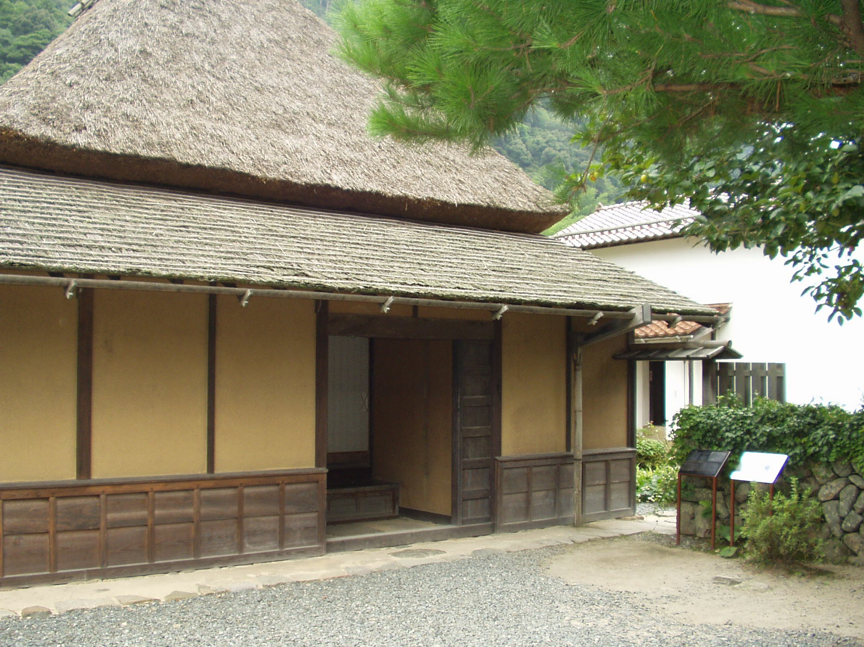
(697, 587)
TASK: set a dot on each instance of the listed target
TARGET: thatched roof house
(202, 258)
(247, 99)
(240, 98)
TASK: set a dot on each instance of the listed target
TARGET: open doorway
(393, 406)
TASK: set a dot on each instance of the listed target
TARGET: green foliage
(26, 27)
(542, 145)
(784, 530)
(651, 452)
(728, 552)
(807, 433)
(657, 484)
(656, 477)
(753, 111)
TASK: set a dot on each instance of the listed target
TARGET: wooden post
(84, 433)
(709, 381)
(678, 516)
(731, 512)
(576, 426)
(212, 305)
(713, 511)
(322, 336)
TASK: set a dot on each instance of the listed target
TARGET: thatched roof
(240, 97)
(52, 223)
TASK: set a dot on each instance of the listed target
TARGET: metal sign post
(755, 467)
(707, 464)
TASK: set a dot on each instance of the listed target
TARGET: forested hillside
(540, 145)
(26, 27)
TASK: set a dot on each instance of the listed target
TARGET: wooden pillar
(575, 444)
(212, 305)
(709, 381)
(84, 423)
(322, 343)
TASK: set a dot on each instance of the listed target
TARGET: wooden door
(473, 432)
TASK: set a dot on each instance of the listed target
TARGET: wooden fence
(749, 381)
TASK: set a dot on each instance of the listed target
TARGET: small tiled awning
(680, 353)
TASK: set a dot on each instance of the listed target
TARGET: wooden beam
(84, 423)
(353, 325)
(321, 379)
(640, 316)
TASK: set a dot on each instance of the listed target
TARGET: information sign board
(704, 462)
(757, 467)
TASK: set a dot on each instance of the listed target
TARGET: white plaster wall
(771, 321)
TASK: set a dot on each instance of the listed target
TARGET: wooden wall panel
(608, 484)
(72, 529)
(534, 491)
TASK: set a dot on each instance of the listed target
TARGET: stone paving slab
(39, 601)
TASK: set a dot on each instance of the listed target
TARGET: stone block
(809, 483)
(823, 473)
(831, 510)
(831, 490)
(855, 543)
(129, 600)
(722, 511)
(742, 491)
(852, 522)
(36, 612)
(857, 479)
(688, 513)
(179, 595)
(847, 498)
(842, 468)
(858, 506)
(702, 524)
(835, 551)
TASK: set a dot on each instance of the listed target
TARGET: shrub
(806, 433)
(651, 451)
(657, 485)
(784, 530)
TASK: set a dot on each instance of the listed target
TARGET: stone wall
(839, 487)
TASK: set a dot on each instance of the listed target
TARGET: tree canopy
(752, 111)
(26, 27)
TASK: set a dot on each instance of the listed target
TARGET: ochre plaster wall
(149, 383)
(265, 384)
(38, 360)
(534, 388)
(604, 395)
(412, 420)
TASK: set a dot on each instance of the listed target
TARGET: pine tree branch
(764, 10)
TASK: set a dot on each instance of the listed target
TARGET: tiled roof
(630, 222)
(663, 330)
(54, 223)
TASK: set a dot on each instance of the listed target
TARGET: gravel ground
(488, 600)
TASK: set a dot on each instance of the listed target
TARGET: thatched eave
(28, 152)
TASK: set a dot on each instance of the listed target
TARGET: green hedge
(807, 433)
